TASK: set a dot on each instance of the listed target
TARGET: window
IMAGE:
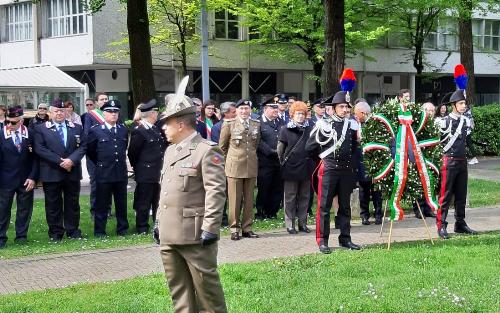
(226, 25)
(447, 31)
(66, 17)
(477, 34)
(19, 22)
(492, 35)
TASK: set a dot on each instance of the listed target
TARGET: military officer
(193, 193)
(334, 140)
(60, 146)
(454, 128)
(18, 174)
(282, 101)
(269, 182)
(145, 153)
(107, 148)
(239, 140)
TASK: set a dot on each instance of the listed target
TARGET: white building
(59, 32)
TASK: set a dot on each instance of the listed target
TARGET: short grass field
(481, 192)
(458, 275)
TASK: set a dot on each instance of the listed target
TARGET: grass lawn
(458, 275)
(482, 193)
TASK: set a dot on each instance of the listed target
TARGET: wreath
(402, 154)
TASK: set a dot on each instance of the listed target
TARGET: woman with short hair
(296, 167)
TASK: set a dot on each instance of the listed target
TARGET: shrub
(487, 129)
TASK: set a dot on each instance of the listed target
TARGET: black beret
(15, 111)
(58, 103)
(150, 105)
(243, 102)
(111, 105)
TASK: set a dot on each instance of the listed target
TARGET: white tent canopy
(44, 77)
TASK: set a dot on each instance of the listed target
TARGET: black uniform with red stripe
(335, 176)
(454, 170)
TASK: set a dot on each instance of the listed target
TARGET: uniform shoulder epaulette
(254, 120)
(95, 125)
(209, 142)
(229, 120)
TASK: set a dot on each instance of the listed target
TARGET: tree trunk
(335, 44)
(143, 86)
(466, 48)
(318, 69)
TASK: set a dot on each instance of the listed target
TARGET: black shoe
(2, 244)
(442, 233)
(462, 228)
(291, 231)
(56, 238)
(365, 221)
(418, 215)
(430, 214)
(100, 235)
(76, 234)
(378, 221)
(122, 233)
(21, 240)
(304, 229)
(235, 236)
(325, 249)
(249, 234)
(349, 245)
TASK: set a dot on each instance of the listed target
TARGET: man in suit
(40, 117)
(145, 154)
(269, 182)
(107, 148)
(228, 111)
(193, 193)
(18, 174)
(239, 140)
(60, 146)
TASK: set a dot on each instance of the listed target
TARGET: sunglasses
(89, 104)
(13, 123)
(42, 108)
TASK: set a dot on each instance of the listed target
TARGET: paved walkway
(57, 271)
(488, 168)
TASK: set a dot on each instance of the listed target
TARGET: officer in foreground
(193, 193)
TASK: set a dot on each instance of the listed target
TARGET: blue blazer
(15, 166)
(50, 150)
(109, 153)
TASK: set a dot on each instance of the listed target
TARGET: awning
(41, 77)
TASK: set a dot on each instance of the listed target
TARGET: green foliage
(456, 275)
(375, 160)
(486, 129)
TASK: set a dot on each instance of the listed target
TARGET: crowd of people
(289, 149)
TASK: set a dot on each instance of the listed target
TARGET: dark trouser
(270, 191)
(313, 189)
(296, 202)
(93, 187)
(334, 183)
(103, 197)
(146, 198)
(426, 209)
(62, 208)
(453, 183)
(366, 189)
(24, 201)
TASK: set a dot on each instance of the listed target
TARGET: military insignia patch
(217, 159)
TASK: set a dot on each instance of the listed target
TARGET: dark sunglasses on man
(7, 122)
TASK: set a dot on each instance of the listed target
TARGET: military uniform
(454, 176)
(107, 148)
(189, 217)
(18, 163)
(145, 153)
(239, 140)
(61, 188)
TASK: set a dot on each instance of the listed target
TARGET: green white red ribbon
(385, 121)
(423, 121)
(372, 146)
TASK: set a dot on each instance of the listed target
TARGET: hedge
(487, 129)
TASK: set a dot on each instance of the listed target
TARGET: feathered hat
(180, 104)
(461, 79)
(347, 84)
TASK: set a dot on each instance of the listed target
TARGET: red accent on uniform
(443, 189)
(318, 208)
(348, 74)
(459, 71)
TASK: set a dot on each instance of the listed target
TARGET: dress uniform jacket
(50, 150)
(240, 146)
(17, 166)
(193, 192)
(145, 153)
(108, 152)
(269, 133)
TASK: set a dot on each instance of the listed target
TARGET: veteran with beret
(189, 216)
(60, 147)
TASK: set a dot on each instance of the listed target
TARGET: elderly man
(107, 149)
(145, 154)
(228, 111)
(40, 117)
(18, 174)
(60, 147)
(362, 111)
(193, 193)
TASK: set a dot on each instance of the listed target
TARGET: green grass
(482, 193)
(458, 275)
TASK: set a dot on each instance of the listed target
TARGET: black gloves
(156, 233)
(208, 238)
